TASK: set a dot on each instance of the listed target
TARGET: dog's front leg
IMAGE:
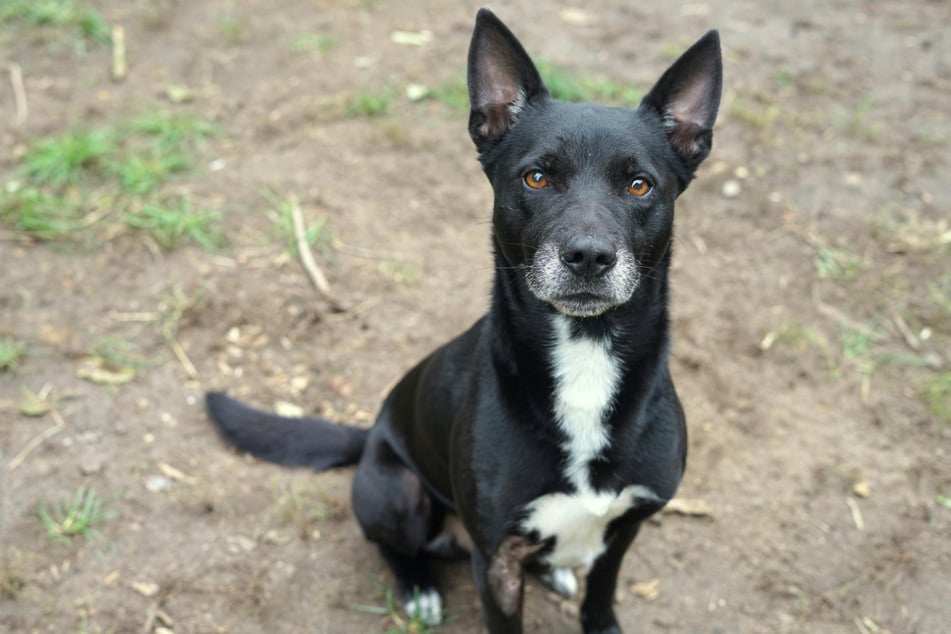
(597, 609)
(500, 580)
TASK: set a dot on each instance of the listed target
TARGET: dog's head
(584, 194)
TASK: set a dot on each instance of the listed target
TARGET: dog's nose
(588, 256)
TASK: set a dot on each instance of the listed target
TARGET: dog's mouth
(552, 282)
(582, 304)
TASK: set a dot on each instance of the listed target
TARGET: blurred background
(165, 164)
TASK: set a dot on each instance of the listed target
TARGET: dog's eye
(639, 187)
(535, 179)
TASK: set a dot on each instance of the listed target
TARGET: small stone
(861, 489)
(416, 92)
(741, 172)
(731, 188)
(157, 483)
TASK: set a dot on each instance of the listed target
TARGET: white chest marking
(577, 521)
(586, 379)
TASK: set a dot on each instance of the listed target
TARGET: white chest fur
(586, 374)
(586, 377)
(577, 521)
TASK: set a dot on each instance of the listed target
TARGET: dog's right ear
(687, 97)
(502, 80)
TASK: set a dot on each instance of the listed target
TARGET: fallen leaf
(145, 588)
(33, 404)
(648, 590)
(111, 578)
(98, 370)
(577, 17)
(179, 93)
(412, 38)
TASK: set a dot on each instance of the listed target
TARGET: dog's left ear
(502, 80)
(687, 97)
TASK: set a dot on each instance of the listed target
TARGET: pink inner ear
(690, 105)
(497, 95)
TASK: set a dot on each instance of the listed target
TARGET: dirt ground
(811, 313)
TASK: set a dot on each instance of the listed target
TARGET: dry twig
(317, 277)
(38, 440)
(119, 65)
(19, 94)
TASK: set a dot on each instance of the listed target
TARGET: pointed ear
(502, 79)
(687, 97)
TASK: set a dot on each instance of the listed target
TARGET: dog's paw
(425, 606)
(562, 581)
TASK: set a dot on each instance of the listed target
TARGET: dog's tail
(294, 442)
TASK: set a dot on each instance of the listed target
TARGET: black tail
(294, 442)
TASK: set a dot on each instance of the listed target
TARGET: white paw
(562, 581)
(426, 606)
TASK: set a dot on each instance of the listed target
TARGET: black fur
(472, 430)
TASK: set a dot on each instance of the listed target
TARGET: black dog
(551, 428)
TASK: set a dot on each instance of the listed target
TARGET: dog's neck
(636, 333)
(578, 376)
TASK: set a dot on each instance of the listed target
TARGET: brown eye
(535, 179)
(639, 187)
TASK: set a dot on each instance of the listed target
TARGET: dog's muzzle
(583, 277)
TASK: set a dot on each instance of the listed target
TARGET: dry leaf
(171, 472)
(412, 38)
(33, 404)
(98, 370)
(648, 590)
(145, 588)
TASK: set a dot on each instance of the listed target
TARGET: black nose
(588, 256)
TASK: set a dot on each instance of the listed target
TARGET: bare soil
(811, 312)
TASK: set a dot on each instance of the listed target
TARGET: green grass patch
(233, 25)
(74, 516)
(69, 158)
(313, 43)
(837, 264)
(41, 215)
(11, 353)
(937, 396)
(567, 86)
(857, 120)
(370, 104)
(453, 93)
(397, 623)
(171, 129)
(176, 221)
(68, 182)
(66, 15)
(119, 353)
(280, 214)
(755, 114)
